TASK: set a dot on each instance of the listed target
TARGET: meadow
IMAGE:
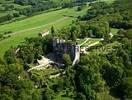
(30, 27)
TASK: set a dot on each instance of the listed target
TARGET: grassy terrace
(31, 26)
(90, 41)
(80, 41)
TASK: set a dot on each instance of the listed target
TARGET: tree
(58, 86)
(22, 2)
(67, 60)
(112, 74)
(52, 31)
(79, 8)
(26, 91)
(2, 61)
(47, 94)
(5, 97)
(80, 96)
(75, 32)
(125, 88)
(1, 36)
(9, 56)
(88, 77)
(73, 36)
(88, 81)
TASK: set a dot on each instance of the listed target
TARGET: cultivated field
(31, 26)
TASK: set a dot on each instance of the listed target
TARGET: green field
(31, 26)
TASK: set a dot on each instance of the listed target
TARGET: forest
(105, 73)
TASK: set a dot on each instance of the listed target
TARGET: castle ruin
(61, 46)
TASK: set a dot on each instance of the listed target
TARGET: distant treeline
(20, 8)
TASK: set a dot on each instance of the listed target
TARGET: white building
(44, 33)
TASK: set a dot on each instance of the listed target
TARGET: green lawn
(114, 31)
(90, 41)
(31, 26)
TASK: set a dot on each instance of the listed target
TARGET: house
(44, 33)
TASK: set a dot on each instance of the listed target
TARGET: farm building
(44, 33)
